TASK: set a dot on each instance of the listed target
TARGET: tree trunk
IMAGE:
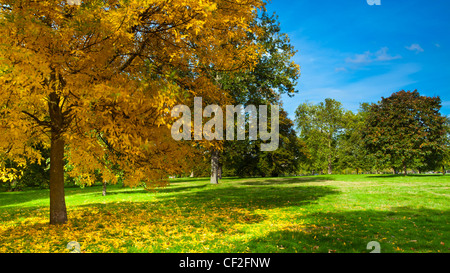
(330, 167)
(215, 167)
(219, 171)
(443, 170)
(104, 188)
(404, 169)
(58, 211)
(192, 174)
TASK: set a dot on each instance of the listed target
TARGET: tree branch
(37, 120)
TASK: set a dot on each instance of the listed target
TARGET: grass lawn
(334, 213)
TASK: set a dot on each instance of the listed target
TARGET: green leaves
(403, 131)
(407, 129)
(320, 127)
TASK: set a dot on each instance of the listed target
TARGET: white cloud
(415, 47)
(382, 55)
(340, 69)
(360, 58)
(369, 57)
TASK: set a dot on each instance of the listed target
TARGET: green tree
(406, 130)
(320, 127)
(274, 74)
(445, 155)
(245, 158)
(352, 152)
(286, 159)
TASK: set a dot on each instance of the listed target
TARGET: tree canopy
(406, 130)
(95, 82)
(320, 126)
(274, 74)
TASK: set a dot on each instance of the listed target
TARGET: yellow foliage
(116, 67)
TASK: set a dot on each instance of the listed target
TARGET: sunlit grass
(294, 214)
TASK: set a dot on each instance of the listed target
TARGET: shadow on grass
(202, 199)
(188, 179)
(16, 198)
(402, 229)
(250, 198)
(288, 180)
(169, 189)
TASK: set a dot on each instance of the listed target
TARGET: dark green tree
(286, 159)
(406, 130)
(245, 158)
(274, 74)
(443, 158)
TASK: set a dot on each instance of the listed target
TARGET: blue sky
(354, 52)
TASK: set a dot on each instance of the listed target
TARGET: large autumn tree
(95, 81)
(406, 130)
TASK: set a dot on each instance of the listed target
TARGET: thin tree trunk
(215, 153)
(58, 211)
(215, 167)
(443, 170)
(404, 169)
(330, 167)
(104, 188)
(219, 171)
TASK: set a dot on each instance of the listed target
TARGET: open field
(293, 214)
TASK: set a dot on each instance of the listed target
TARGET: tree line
(402, 133)
(405, 131)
